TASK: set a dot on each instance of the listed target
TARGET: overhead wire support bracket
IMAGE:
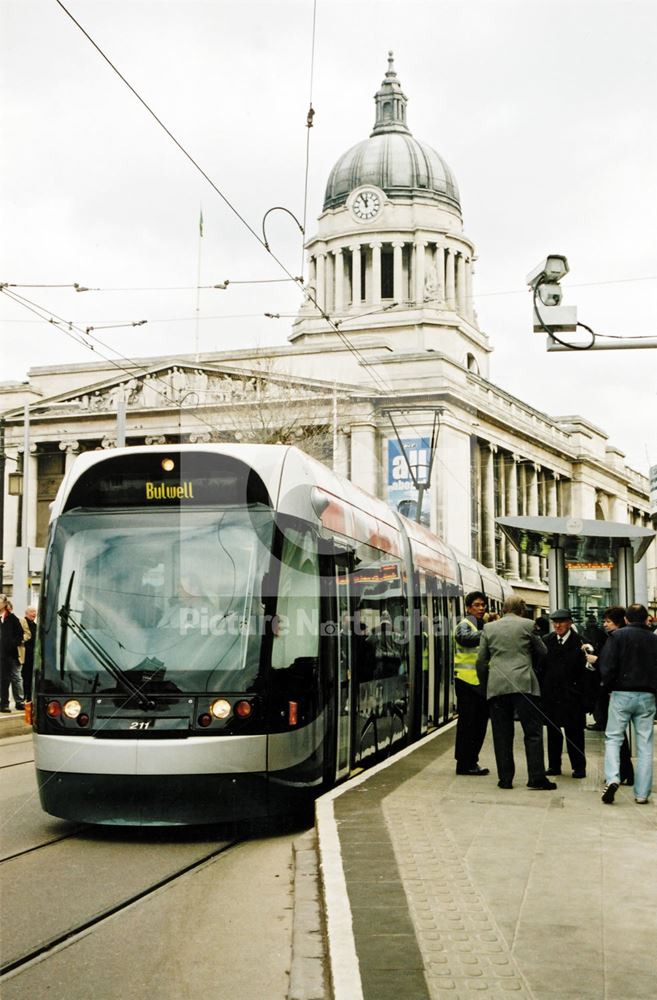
(423, 486)
(277, 208)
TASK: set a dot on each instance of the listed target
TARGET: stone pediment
(185, 386)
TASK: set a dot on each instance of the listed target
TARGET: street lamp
(15, 484)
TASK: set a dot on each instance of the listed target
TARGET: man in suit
(508, 650)
(567, 689)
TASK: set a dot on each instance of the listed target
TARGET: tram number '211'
(140, 725)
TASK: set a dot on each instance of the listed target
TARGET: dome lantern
(391, 103)
(392, 159)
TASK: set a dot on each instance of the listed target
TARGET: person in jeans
(628, 668)
(612, 618)
(508, 651)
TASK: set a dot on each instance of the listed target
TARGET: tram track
(51, 945)
(17, 763)
(37, 847)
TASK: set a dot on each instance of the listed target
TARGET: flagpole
(198, 284)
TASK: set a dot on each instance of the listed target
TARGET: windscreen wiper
(102, 656)
(64, 636)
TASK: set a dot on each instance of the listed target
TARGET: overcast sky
(544, 112)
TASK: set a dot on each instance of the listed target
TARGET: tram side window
(298, 603)
(378, 589)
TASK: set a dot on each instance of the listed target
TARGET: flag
(200, 223)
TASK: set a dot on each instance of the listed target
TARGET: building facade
(385, 353)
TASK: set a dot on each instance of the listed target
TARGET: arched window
(471, 364)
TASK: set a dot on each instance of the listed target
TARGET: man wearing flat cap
(566, 689)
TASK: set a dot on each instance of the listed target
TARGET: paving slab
(451, 887)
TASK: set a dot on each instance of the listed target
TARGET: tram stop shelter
(591, 564)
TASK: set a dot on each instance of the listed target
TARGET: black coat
(567, 687)
(629, 660)
(11, 634)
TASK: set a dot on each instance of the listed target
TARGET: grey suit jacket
(506, 651)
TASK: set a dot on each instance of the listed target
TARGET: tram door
(443, 611)
(429, 718)
(344, 684)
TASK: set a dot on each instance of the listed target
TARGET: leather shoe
(477, 771)
(578, 774)
(20, 706)
(5, 708)
(543, 786)
(553, 770)
(504, 784)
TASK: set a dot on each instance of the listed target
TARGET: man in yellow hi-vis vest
(471, 701)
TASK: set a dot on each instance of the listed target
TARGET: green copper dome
(392, 159)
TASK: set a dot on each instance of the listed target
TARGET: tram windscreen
(172, 598)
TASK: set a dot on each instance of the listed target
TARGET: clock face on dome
(366, 205)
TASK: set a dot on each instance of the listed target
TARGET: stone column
(321, 280)
(338, 269)
(420, 246)
(11, 511)
(533, 563)
(440, 275)
(364, 457)
(582, 500)
(500, 473)
(551, 498)
(487, 499)
(451, 491)
(460, 285)
(522, 509)
(450, 276)
(376, 273)
(355, 276)
(341, 456)
(70, 449)
(329, 283)
(512, 554)
(398, 275)
(469, 301)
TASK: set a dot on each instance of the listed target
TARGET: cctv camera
(552, 269)
(549, 292)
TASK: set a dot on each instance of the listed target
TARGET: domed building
(390, 247)
(385, 377)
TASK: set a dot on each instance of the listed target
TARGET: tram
(227, 630)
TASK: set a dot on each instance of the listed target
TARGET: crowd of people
(511, 668)
(506, 668)
(17, 636)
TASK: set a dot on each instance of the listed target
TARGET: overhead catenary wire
(71, 329)
(309, 124)
(347, 343)
(355, 352)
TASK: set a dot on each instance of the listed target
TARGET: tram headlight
(168, 464)
(53, 709)
(72, 709)
(220, 708)
(243, 709)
